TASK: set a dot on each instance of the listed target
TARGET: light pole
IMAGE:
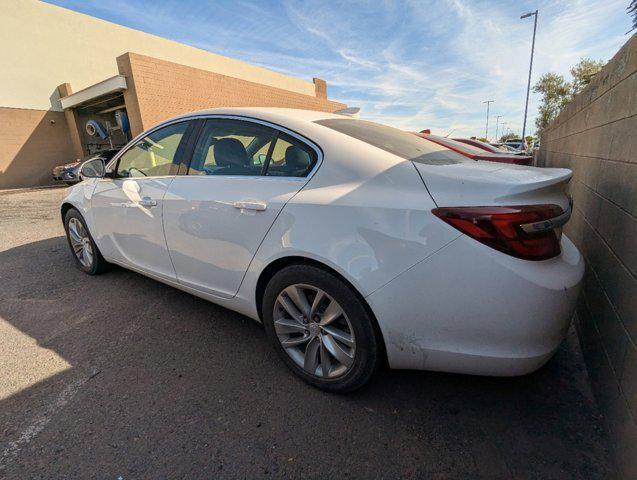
(528, 87)
(486, 130)
(497, 119)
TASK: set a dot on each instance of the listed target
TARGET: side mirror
(93, 169)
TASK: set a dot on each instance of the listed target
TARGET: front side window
(231, 147)
(290, 158)
(155, 154)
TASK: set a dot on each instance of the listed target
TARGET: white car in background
(354, 243)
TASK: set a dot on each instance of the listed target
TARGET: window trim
(203, 116)
(278, 128)
(268, 156)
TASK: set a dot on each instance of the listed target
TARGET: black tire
(98, 264)
(368, 350)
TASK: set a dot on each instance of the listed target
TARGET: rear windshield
(398, 142)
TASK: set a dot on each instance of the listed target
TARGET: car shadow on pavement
(119, 375)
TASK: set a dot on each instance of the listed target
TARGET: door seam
(265, 236)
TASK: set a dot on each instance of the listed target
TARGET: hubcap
(80, 242)
(314, 331)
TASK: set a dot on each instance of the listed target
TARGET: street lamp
(497, 118)
(528, 87)
(486, 130)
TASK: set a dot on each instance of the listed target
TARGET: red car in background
(477, 153)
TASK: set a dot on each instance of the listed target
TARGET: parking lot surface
(119, 376)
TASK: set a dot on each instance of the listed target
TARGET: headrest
(229, 152)
(297, 158)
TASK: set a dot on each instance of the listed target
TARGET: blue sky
(414, 65)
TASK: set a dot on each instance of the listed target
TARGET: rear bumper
(471, 309)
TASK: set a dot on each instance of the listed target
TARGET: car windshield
(398, 142)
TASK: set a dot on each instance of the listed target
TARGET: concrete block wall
(158, 90)
(596, 137)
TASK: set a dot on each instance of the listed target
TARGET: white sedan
(356, 244)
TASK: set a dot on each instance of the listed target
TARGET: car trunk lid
(484, 183)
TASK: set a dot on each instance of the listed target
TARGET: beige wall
(159, 90)
(596, 136)
(44, 46)
(32, 142)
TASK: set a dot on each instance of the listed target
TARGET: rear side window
(231, 147)
(290, 158)
(398, 142)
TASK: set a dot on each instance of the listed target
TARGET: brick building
(63, 69)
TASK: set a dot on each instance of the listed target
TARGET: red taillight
(501, 228)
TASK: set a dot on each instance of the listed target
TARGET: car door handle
(250, 205)
(147, 202)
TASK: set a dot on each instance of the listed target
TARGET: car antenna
(452, 130)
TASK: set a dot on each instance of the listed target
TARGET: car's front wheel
(321, 328)
(87, 256)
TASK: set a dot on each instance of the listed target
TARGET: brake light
(523, 231)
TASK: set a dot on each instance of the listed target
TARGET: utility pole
(497, 119)
(486, 130)
(528, 87)
(502, 131)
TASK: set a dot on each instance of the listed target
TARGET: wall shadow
(27, 159)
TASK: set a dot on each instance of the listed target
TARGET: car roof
(266, 113)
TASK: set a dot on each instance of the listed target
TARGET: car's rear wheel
(321, 328)
(86, 254)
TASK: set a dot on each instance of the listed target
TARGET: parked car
(480, 144)
(356, 244)
(506, 148)
(69, 173)
(477, 153)
(490, 147)
(517, 145)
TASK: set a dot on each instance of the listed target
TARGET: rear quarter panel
(365, 213)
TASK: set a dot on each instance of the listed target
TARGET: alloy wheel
(80, 242)
(314, 331)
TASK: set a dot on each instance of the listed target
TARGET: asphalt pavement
(118, 376)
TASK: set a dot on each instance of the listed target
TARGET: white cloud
(412, 64)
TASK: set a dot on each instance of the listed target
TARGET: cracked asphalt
(118, 376)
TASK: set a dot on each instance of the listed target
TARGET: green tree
(583, 72)
(508, 136)
(632, 11)
(557, 92)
